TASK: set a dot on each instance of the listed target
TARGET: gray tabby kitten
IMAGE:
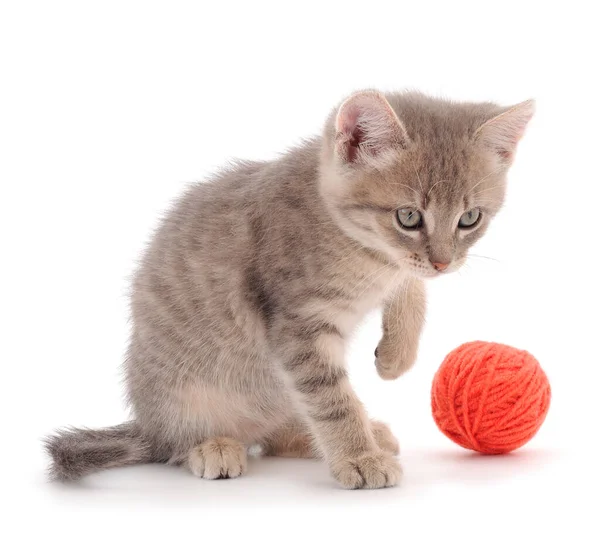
(248, 293)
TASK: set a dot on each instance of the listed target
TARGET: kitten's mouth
(421, 270)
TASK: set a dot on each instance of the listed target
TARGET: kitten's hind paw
(218, 458)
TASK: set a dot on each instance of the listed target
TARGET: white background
(107, 109)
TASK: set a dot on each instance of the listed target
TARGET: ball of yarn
(490, 397)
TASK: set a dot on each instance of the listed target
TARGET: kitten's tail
(78, 452)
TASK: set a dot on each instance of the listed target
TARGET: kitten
(246, 297)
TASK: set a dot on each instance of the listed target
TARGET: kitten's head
(416, 178)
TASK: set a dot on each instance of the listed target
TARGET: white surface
(106, 110)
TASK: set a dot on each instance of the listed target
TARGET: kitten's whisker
(485, 202)
(480, 192)
(408, 187)
(473, 255)
(373, 281)
(394, 285)
(404, 205)
(466, 266)
(353, 249)
(431, 188)
(380, 271)
(351, 253)
(485, 178)
(418, 178)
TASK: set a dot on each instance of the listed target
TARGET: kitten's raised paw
(385, 438)
(372, 470)
(218, 458)
(390, 362)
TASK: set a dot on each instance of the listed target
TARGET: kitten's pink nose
(440, 266)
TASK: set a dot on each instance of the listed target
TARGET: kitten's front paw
(391, 362)
(372, 470)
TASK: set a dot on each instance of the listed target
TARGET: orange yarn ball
(490, 397)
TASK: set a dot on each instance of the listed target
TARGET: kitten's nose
(440, 266)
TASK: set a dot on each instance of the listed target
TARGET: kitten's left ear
(367, 128)
(503, 132)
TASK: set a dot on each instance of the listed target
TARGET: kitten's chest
(367, 293)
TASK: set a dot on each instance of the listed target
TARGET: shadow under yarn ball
(490, 397)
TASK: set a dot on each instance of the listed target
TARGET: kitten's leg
(218, 457)
(312, 359)
(295, 440)
(291, 440)
(385, 437)
(403, 319)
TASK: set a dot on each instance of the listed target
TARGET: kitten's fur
(250, 289)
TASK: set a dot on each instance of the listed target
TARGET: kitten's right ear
(366, 127)
(503, 132)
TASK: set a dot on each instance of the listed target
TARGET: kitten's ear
(366, 127)
(503, 132)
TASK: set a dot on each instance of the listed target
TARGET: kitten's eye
(469, 218)
(409, 219)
